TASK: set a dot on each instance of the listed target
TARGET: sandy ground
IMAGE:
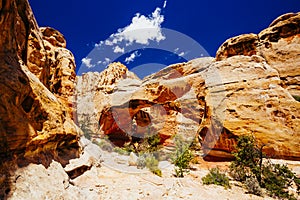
(115, 179)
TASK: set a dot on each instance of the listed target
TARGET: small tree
(182, 157)
(248, 159)
(249, 168)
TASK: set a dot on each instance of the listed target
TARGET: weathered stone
(281, 49)
(256, 105)
(241, 45)
(34, 123)
(278, 44)
(90, 156)
(94, 87)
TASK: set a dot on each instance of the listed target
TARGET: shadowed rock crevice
(27, 104)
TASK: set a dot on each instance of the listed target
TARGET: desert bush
(277, 179)
(182, 157)
(152, 164)
(297, 182)
(252, 185)
(121, 151)
(141, 161)
(248, 168)
(217, 178)
(85, 127)
(247, 161)
(150, 143)
(104, 144)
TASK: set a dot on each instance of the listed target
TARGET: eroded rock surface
(35, 111)
(279, 44)
(93, 93)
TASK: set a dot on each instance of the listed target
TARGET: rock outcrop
(247, 89)
(93, 91)
(255, 104)
(279, 45)
(37, 85)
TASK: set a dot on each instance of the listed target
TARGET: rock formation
(93, 90)
(250, 87)
(247, 89)
(37, 85)
(279, 45)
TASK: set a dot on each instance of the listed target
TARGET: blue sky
(208, 23)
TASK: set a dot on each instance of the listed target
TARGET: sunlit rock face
(37, 85)
(279, 45)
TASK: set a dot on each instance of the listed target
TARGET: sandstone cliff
(247, 89)
(37, 85)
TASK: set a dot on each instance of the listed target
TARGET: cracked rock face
(37, 84)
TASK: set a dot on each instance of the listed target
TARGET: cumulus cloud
(118, 49)
(132, 57)
(141, 30)
(87, 62)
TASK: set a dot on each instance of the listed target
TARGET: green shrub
(152, 164)
(217, 178)
(247, 159)
(297, 182)
(276, 179)
(121, 151)
(249, 169)
(141, 161)
(181, 158)
(150, 143)
(85, 127)
(104, 144)
(253, 186)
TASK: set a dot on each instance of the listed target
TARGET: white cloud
(105, 62)
(118, 49)
(132, 57)
(141, 30)
(165, 4)
(176, 50)
(108, 43)
(87, 62)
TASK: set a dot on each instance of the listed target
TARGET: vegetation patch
(249, 168)
(182, 157)
(216, 177)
